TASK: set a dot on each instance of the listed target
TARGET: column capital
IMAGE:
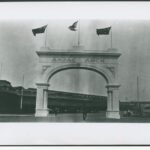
(113, 86)
(42, 85)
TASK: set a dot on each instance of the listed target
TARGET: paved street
(78, 118)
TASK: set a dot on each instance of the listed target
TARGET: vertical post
(109, 100)
(21, 101)
(111, 38)
(138, 88)
(45, 102)
(79, 34)
(1, 71)
(138, 95)
(113, 101)
(45, 36)
(42, 100)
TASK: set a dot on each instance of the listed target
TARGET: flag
(39, 30)
(103, 31)
(73, 26)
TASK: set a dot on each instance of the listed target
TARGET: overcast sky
(18, 56)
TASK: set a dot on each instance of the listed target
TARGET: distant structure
(104, 63)
(63, 102)
(5, 84)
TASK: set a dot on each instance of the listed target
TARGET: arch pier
(105, 63)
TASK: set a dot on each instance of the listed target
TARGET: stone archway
(104, 63)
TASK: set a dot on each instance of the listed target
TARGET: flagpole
(45, 37)
(79, 34)
(111, 38)
(1, 71)
(21, 102)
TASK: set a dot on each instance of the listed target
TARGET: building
(63, 102)
(9, 100)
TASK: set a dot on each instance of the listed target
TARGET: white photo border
(75, 133)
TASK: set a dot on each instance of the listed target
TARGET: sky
(130, 36)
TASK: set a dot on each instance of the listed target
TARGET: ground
(78, 118)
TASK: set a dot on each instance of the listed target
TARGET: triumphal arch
(53, 61)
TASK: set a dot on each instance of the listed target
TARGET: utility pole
(138, 95)
(79, 33)
(1, 71)
(138, 88)
(21, 101)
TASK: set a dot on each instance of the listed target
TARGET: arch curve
(50, 72)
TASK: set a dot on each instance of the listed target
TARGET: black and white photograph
(74, 64)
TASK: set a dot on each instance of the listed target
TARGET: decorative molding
(90, 60)
(78, 53)
(111, 69)
(45, 67)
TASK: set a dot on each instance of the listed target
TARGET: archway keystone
(104, 63)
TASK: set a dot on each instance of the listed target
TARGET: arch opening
(84, 90)
(79, 81)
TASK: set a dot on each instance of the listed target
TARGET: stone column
(42, 100)
(113, 101)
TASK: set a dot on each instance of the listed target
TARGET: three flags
(73, 27)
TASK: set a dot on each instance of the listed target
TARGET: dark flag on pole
(39, 30)
(73, 27)
(103, 31)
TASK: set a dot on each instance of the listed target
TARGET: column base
(113, 114)
(41, 113)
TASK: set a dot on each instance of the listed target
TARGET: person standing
(84, 114)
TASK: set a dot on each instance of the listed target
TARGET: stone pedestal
(42, 100)
(113, 114)
(113, 101)
(41, 113)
